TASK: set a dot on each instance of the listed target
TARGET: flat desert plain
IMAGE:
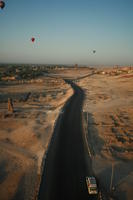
(26, 133)
(108, 118)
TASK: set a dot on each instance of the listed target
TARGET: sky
(67, 32)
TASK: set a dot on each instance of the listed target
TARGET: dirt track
(67, 164)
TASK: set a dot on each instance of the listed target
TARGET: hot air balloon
(2, 4)
(33, 39)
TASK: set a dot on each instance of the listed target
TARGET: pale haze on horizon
(67, 32)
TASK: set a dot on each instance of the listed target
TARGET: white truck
(91, 185)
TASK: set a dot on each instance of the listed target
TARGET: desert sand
(26, 133)
(108, 114)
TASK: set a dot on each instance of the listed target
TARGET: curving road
(67, 162)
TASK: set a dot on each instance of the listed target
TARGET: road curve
(67, 163)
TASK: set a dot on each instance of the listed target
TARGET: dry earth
(108, 110)
(26, 133)
(71, 73)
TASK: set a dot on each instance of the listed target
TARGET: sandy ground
(26, 133)
(108, 111)
(71, 73)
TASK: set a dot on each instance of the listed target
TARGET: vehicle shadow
(121, 174)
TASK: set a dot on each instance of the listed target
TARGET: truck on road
(91, 185)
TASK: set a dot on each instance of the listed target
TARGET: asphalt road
(67, 162)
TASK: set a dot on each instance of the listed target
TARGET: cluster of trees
(21, 72)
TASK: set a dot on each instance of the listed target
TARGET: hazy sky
(67, 31)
